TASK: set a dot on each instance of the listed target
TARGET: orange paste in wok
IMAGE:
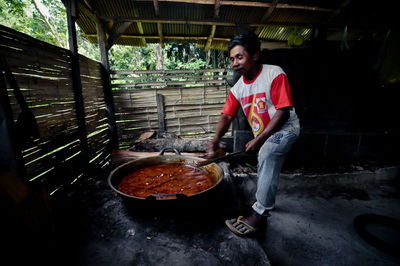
(166, 179)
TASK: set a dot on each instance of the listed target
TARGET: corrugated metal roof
(191, 20)
(279, 33)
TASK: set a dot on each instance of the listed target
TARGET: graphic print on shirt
(255, 108)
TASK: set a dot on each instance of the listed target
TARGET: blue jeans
(270, 160)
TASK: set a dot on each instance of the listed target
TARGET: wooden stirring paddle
(213, 160)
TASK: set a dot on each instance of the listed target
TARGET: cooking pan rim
(112, 173)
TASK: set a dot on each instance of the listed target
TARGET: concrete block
(240, 138)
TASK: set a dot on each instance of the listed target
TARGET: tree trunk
(160, 58)
(40, 8)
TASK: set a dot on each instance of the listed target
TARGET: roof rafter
(165, 37)
(139, 24)
(209, 22)
(115, 32)
(213, 27)
(216, 8)
(343, 6)
(210, 38)
(118, 33)
(160, 34)
(267, 15)
(248, 4)
(159, 25)
(156, 8)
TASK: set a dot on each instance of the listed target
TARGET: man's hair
(248, 40)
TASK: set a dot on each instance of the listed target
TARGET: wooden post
(76, 79)
(11, 152)
(105, 73)
(161, 113)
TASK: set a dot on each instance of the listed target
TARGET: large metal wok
(125, 169)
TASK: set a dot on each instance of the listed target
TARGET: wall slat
(43, 73)
(193, 100)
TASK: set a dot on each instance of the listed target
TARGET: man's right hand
(222, 127)
(211, 148)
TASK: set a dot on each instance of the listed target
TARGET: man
(264, 94)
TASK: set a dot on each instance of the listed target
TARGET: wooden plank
(44, 158)
(44, 75)
(76, 80)
(161, 112)
(248, 4)
(121, 156)
(51, 149)
(163, 76)
(107, 89)
(162, 89)
(113, 38)
(22, 60)
(132, 119)
(178, 107)
(167, 83)
(126, 72)
(28, 59)
(193, 113)
(172, 97)
(42, 84)
(32, 42)
(15, 47)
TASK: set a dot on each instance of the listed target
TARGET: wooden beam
(267, 15)
(159, 25)
(161, 112)
(216, 8)
(269, 11)
(203, 22)
(343, 6)
(248, 4)
(156, 9)
(209, 22)
(160, 34)
(141, 31)
(117, 34)
(139, 25)
(107, 90)
(87, 9)
(210, 38)
(10, 145)
(76, 80)
(213, 27)
(165, 37)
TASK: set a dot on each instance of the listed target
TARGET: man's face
(241, 60)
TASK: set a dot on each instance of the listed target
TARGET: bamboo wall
(43, 72)
(193, 101)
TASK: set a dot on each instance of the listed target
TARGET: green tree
(46, 20)
(23, 16)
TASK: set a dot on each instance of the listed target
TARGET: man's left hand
(254, 145)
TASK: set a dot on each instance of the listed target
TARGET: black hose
(360, 223)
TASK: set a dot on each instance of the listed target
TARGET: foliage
(22, 16)
(183, 56)
(176, 56)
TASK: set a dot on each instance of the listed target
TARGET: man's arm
(280, 117)
(222, 127)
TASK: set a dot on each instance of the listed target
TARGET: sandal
(240, 232)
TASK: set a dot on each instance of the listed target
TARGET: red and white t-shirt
(261, 97)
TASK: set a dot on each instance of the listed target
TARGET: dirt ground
(311, 224)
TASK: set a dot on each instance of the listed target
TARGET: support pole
(11, 155)
(72, 14)
(161, 113)
(108, 95)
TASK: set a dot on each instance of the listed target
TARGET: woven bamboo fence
(185, 102)
(43, 73)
